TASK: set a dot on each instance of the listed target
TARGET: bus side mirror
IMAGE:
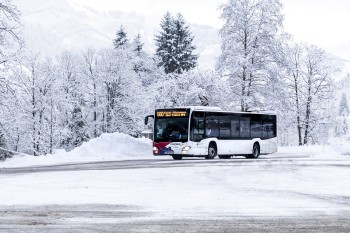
(146, 119)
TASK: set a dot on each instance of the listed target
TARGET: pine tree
(185, 58)
(137, 44)
(164, 43)
(343, 106)
(345, 127)
(174, 45)
(77, 127)
(121, 38)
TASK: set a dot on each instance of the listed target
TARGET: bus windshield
(171, 129)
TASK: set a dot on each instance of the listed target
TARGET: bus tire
(177, 157)
(212, 151)
(255, 152)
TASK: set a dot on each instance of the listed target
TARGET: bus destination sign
(172, 113)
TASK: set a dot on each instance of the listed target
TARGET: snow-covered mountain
(51, 26)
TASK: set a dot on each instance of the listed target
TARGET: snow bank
(341, 145)
(313, 151)
(107, 147)
(118, 146)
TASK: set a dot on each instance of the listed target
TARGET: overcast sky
(320, 22)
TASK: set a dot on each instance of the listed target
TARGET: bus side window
(255, 126)
(268, 127)
(271, 129)
(224, 127)
(235, 126)
(212, 127)
(264, 126)
(197, 126)
(245, 126)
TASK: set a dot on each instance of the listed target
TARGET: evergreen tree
(137, 44)
(164, 43)
(77, 127)
(345, 127)
(185, 58)
(343, 106)
(121, 38)
(174, 45)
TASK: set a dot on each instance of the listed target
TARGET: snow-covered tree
(319, 88)
(343, 106)
(164, 43)
(77, 127)
(10, 30)
(345, 126)
(10, 45)
(2, 137)
(341, 127)
(307, 72)
(89, 69)
(341, 124)
(175, 45)
(121, 38)
(137, 44)
(249, 35)
(34, 81)
(196, 87)
(72, 88)
(184, 48)
(290, 58)
(121, 88)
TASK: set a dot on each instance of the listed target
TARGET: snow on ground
(113, 146)
(295, 181)
(341, 145)
(118, 146)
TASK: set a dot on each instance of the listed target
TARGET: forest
(48, 104)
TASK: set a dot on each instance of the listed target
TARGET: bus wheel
(177, 157)
(224, 156)
(255, 153)
(212, 151)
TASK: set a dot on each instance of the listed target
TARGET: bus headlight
(155, 150)
(186, 148)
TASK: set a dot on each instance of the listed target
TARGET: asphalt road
(118, 218)
(109, 218)
(271, 160)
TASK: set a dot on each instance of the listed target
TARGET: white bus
(209, 132)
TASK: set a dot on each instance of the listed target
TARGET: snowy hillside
(343, 64)
(69, 26)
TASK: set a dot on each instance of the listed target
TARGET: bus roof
(218, 109)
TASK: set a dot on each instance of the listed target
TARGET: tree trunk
(51, 127)
(308, 112)
(298, 110)
(95, 112)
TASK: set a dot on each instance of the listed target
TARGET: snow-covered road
(278, 184)
(295, 183)
(120, 219)
(280, 192)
